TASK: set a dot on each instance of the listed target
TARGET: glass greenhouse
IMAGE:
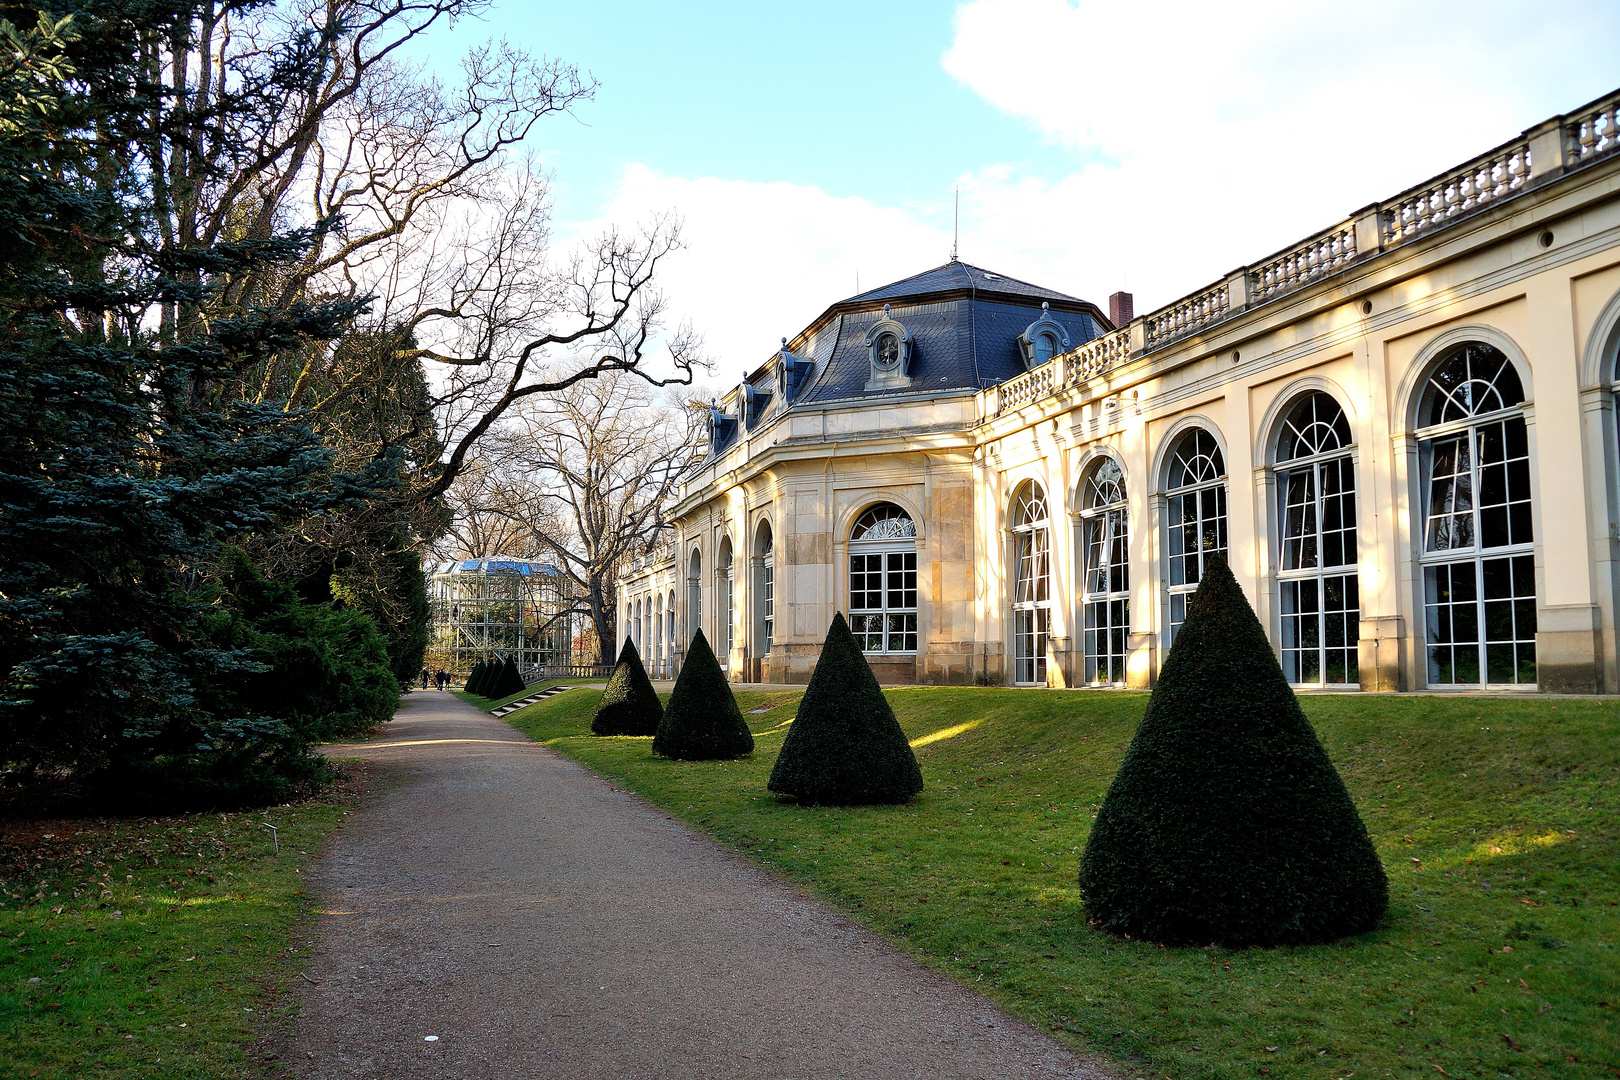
(497, 608)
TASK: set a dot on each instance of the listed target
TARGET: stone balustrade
(1097, 356)
(1592, 133)
(1303, 263)
(1031, 385)
(1484, 180)
(1185, 316)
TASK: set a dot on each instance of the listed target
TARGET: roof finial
(885, 311)
(956, 224)
(1045, 306)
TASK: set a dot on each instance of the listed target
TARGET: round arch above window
(1314, 424)
(1471, 379)
(1104, 485)
(1195, 459)
(723, 560)
(885, 521)
(1029, 505)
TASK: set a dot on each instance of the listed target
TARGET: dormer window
(1042, 339)
(1045, 348)
(890, 345)
(888, 352)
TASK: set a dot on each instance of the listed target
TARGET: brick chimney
(1121, 308)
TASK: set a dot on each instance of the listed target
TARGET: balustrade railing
(1484, 180)
(1097, 356)
(1022, 389)
(1185, 316)
(1592, 133)
(1303, 263)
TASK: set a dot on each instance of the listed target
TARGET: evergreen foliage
(1226, 822)
(702, 722)
(630, 706)
(845, 747)
(507, 681)
(478, 678)
(132, 644)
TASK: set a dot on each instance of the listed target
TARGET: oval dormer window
(888, 352)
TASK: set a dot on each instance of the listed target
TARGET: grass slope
(152, 947)
(1498, 821)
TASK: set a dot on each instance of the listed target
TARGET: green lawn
(1498, 820)
(152, 947)
(545, 684)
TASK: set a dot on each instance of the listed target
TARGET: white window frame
(893, 624)
(1513, 562)
(1032, 583)
(1105, 586)
(1295, 627)
(1207, 487)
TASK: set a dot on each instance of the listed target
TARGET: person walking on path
(424, 678)
(501, 912)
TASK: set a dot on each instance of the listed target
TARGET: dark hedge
(629, 706)
(475, 681)
(506, 681)
(702, 722)
(845, 747)
(1226, 822)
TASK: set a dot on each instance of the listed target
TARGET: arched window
(669, 617)
(1316, 570)
(1195, 518)
(694, 594)
(1045, 348)
(883, 580)
(764, 588)
(1479, 579)
(658, 636)
(725, 605)
(1032, 585)
(1105, 532)
(635, 626)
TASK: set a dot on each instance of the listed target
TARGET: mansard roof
(964, 323)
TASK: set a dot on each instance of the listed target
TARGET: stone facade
(1400, 432)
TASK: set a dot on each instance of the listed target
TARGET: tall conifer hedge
(1226, 822)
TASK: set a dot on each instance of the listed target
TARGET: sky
(1096, 146)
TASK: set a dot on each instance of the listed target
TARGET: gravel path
(543, 923)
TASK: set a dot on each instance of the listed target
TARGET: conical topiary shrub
(486, 669)
(702, 721)
(629, 706)
(845, 747)
(473, 677)
(507, 680)
(1226, 822)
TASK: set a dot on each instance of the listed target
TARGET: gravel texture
(543, 923)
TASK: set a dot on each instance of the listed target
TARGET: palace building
(1400, 432)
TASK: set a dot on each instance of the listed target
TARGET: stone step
(514, 706)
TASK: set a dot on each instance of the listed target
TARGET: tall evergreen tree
(845, 746)
(124, 466)
(702, 722)
(629, 706)
(1226, 821)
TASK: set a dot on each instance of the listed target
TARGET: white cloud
(763, 259)
(1217, 134)
(1205, 137)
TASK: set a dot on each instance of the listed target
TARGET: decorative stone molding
(889, 344)
(1044, 327)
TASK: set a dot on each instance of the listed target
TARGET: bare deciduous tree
(581, 478)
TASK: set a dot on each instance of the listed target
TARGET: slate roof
(964, 323)
(958, 275)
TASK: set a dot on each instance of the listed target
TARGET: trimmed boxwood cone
(629, 706)
(845, 747)
(473, 676)
(486, 668)
(507, 680)
(702, 722)
(1226, 822)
